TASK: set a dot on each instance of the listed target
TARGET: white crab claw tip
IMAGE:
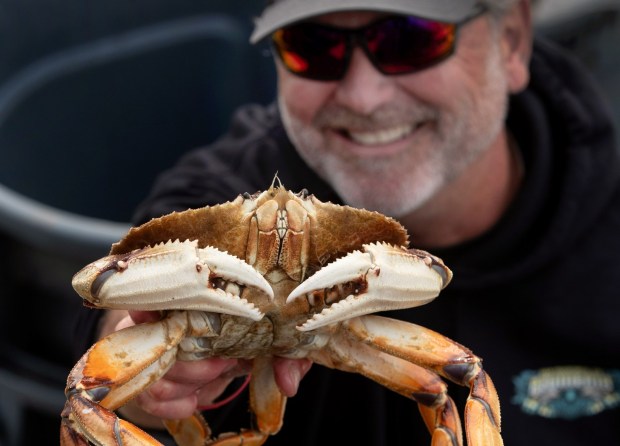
(345, 269)
(235, 305)
(446, 275)
(234, 269)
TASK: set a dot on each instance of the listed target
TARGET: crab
(266, 275)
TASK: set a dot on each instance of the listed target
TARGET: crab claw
(172, 275)
(382, 277)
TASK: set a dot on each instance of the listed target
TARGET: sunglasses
(395, 45)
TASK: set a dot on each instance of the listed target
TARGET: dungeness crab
(270, 274)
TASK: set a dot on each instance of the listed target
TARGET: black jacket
(536, 294)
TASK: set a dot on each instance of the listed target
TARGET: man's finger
(289, 372)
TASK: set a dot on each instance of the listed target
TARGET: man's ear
(517, 34)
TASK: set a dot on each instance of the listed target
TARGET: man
(497, 156)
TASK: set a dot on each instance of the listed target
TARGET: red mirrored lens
(405, 44)
(312, 51)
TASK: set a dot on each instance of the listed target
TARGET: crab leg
(113, 371)
(346, 353)
(267, 404)
(445, 357)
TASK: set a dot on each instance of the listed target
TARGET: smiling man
(389, 137)
(493, 149)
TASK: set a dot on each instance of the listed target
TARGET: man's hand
(189, 385)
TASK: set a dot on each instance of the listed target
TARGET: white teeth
(385, 136)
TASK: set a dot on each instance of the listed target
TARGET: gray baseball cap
(284, 12)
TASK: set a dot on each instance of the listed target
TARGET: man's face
(390, 143)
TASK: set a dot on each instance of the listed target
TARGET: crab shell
(273, 274)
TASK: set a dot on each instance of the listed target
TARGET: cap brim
(285, 12)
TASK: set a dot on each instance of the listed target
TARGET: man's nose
(364, 88)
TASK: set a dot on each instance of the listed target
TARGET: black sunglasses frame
(356, 37)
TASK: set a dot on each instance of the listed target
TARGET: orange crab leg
(445, 357)
(189, 431)
(113, 371)
(267, 404)
(410, 380)
(104, 427)
(481, 404)
(195, 431)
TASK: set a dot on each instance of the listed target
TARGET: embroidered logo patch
(567, 392)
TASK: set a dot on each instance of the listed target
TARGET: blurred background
(98, 97)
